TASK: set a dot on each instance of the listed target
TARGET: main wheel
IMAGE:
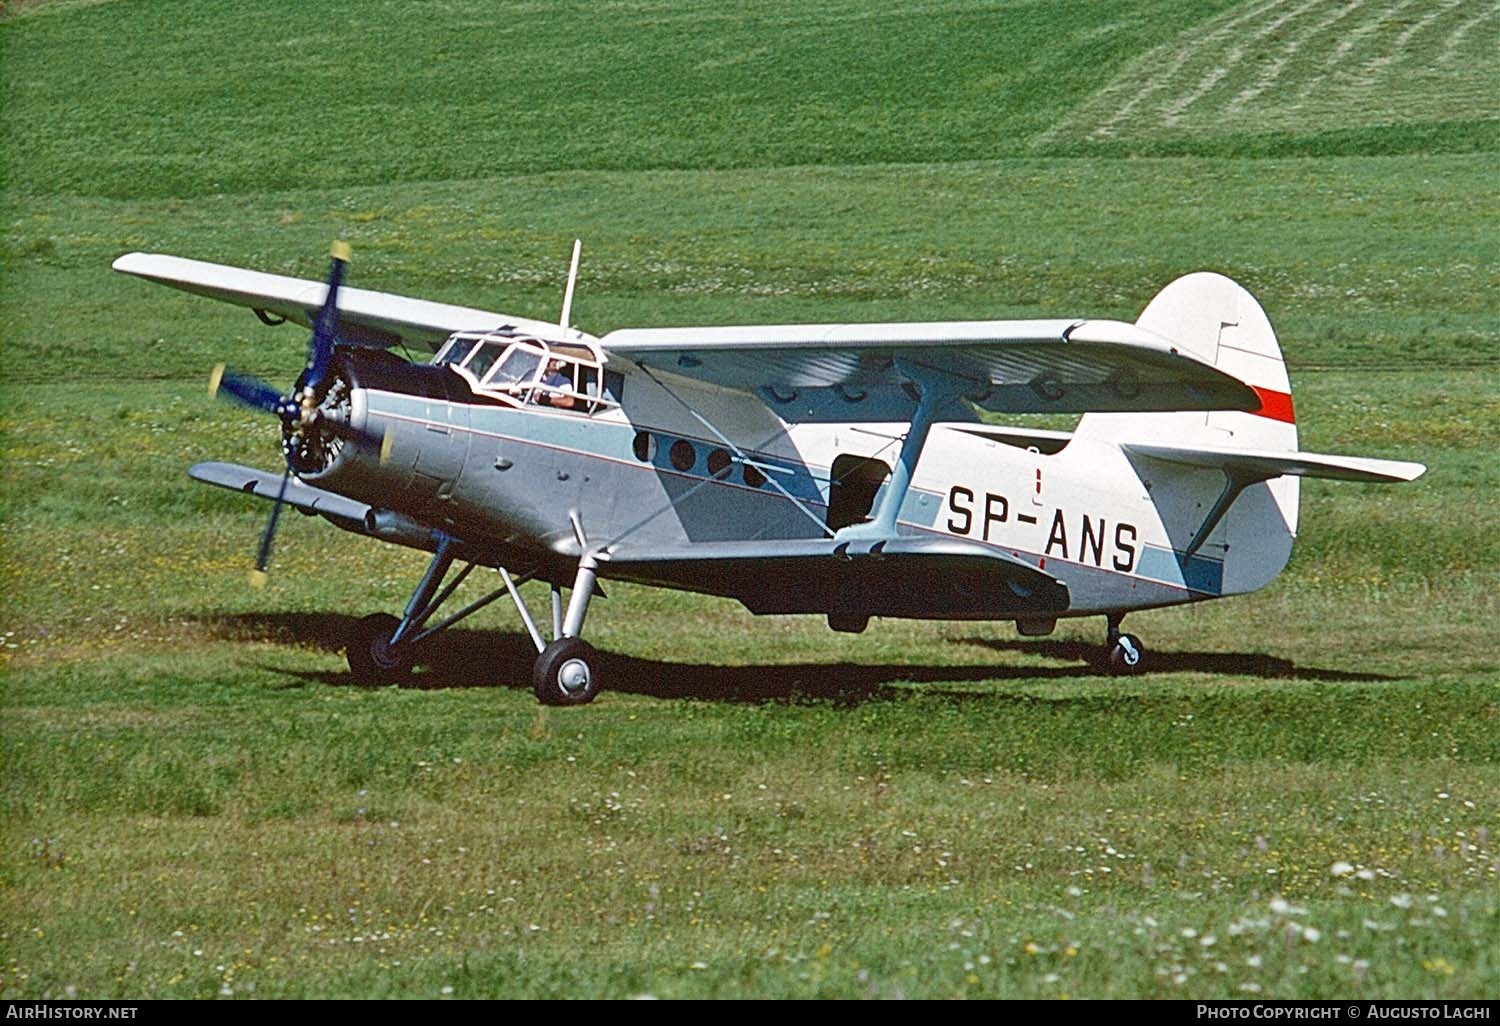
(372, 660)
(565, 673)
(1126, 655)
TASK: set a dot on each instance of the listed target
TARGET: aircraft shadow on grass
(489, 658)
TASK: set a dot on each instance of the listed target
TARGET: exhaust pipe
(388, 525)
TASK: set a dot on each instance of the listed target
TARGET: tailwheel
(1126, 655)
(372, 658)
(566, 673)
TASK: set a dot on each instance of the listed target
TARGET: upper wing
(366, 317)
(855, 371)
(819, 371)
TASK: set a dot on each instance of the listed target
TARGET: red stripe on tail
(1276, 405)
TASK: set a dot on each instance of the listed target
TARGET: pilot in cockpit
(554, 378)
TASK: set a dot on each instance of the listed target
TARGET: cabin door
(852, 487)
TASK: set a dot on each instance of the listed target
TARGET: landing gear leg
(1126, 653)
(566, 671)
(381, 648)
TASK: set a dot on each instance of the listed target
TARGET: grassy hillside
(1301, 800)
(383, 91)
(193, 98)
(1372, 76)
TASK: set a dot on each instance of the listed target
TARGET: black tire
(566, 673)
(372, 661)
(1127, 655)
(848, 623)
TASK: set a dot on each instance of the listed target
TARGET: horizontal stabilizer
(267, 485)
(365, 317)
(922, 578)
(1265, 464)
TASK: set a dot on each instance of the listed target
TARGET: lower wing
(925, 578)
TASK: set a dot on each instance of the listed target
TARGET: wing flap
(913, 577)
(1266, 464)
(365, 316)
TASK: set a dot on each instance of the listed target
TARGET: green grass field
(1303, 799)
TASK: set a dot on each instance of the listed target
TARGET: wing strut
(936, 388)
(1236, 481)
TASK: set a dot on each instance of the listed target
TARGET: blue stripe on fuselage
(1195, 573)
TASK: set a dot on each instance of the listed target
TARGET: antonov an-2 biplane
(836, 469)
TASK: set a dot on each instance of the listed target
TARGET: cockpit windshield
(457, 348)
(523, 371)
(483, 357)
(518, 367)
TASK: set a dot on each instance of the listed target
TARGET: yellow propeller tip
(214, 378)
(258, 579)
(387, 443)
(340, 251)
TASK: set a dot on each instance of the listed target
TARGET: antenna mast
(572, 281)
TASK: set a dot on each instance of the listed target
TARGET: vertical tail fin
(1219, 322)
(1216, 320)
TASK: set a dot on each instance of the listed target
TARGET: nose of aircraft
(308, 437)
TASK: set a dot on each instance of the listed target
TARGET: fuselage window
(682, 454)
(719, 462)
(644, 446)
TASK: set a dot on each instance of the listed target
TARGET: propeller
(300, 411)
